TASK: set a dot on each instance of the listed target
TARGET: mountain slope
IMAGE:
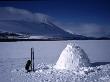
(22, 21)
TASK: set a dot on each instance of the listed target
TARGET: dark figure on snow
(28, 66)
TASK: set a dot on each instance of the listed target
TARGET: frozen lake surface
(49, 51)
(13, 55)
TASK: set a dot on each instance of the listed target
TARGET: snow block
(72, 58)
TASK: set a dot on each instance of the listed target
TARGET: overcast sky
(88, 17)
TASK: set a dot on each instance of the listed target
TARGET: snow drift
(72, 58)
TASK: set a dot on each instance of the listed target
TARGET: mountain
(36, 24)
(22, 24)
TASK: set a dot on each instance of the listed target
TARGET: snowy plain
(13, 56)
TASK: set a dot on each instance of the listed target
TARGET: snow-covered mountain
(22, 21)
(38, 26)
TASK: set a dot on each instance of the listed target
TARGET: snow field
(85, 74)
(73, 65)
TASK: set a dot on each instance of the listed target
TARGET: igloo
(72, 58)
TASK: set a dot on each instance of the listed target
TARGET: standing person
(28, 66)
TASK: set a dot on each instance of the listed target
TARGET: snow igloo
(72, 58)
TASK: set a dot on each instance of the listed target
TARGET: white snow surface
(39, 37)
(72, 58)
(45, 73)
(12, 70)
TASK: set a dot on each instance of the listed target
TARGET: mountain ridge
(15, 21)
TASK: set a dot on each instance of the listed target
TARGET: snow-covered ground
(48, 74)
(97, 50)
(13, 56)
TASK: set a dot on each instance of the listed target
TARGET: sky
(87, 17)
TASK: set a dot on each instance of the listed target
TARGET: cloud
(88, 29)
(11, 13)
